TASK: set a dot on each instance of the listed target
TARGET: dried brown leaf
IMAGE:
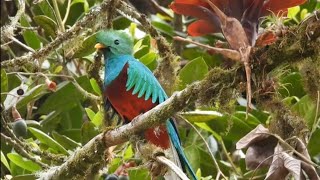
(259, 154)
(257, 134)
(282, 164)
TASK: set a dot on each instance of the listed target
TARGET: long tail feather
(172, 130)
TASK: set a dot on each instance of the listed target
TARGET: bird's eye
(116, 42)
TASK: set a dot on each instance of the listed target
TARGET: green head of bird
(114, 43)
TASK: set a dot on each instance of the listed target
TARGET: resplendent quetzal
(132, 89)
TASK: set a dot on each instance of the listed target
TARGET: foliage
(60, 118)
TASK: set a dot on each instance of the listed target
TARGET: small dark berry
(112, 177)
(20, 128)
(20, 92)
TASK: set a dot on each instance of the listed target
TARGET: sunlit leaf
(193, 71)
(90, 113)
(29, 36)
(23, 162)
(95, 86)
(46, 139)
(138, 174)
(4, 161)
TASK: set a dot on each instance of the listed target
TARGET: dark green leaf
(200, 159)
(195, 70)
(314, 144)
(306, 108)
(88, 131)
(87, 47)
(23, 162)
(28, 35)
(45, 139)
(163, 27)
(64, 99)
(121, 23)
(74, 134)
(292, 85)
(49, 26)
(65, 141)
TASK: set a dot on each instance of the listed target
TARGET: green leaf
(95, 86)
(121, 22)
(23, 162)
(65, 141)
(148, 58)
(74, 134)
(193, 71)
(47, 9)
(85, 4)
(58, 69)
(306, 108)
(28, 35)
(137, 46)
(90, 113)
(292, 12)
(4, 161)
(65, 98)
(97, 119)
(292, 85)
(49, 26)
(45, 139)
(163, 27)
(314, 144)
(230, 127)
(88, 131)
(138, 174)
(4, 84)
(201, 116)
(200, 159)
(87, 47)
(128, 153)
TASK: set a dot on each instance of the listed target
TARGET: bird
(132, 89)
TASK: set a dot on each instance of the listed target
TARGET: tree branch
(87, 21)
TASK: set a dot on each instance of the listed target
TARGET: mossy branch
(87, 21)
(7, 31)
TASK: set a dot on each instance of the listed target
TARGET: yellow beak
(99, 46)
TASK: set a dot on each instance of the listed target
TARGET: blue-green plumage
(132, 88)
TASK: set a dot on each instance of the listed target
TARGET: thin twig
(205, 142)
(228, 53)
(67, 12)
(57, 13)
(74, 82)
(21, 151)
(21, 44)
(172, 166)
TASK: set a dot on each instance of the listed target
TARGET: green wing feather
(143, 82)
